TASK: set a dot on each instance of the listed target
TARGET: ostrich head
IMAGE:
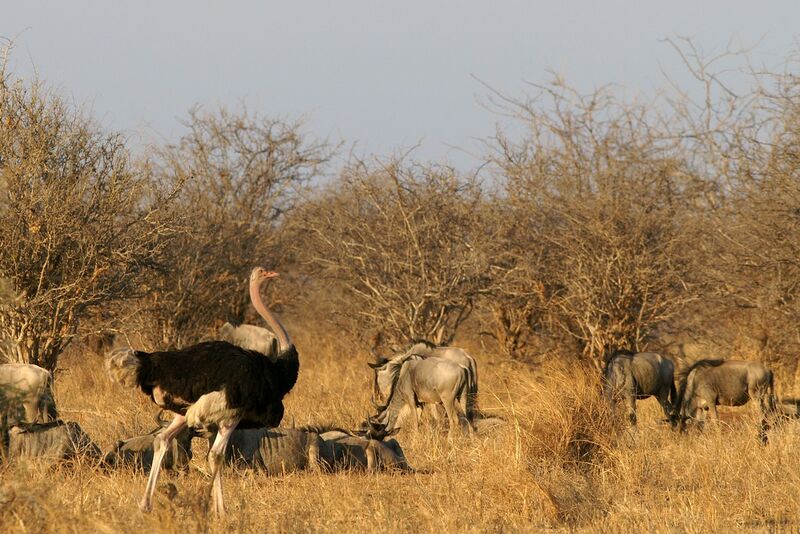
(259, 274)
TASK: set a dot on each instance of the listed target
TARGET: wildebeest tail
(679, 393)
(772, 400)
(126, 367)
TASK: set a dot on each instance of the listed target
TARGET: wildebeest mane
(427, 343)
(393, 366)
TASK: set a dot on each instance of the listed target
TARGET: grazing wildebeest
(137, 452)
(274, 450)
(54, 441)
(414, 381)
(640, 375)
(426, 349)
(26, 395)
(369, 449)
(708, 383)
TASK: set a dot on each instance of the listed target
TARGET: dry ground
(561, 462)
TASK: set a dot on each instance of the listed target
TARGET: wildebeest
(54, 441)
(708, 383)
(249, 337)
(282, 450)
(370, 450)
(274, 450)
(426, 349)
(640, 375)
(26, 395)
(414, 381)
(137, 452)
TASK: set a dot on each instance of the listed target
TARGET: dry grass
(561, 461)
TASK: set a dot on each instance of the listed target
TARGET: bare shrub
(403, 240)
(241, 174)
(600, 221)
(78, 227)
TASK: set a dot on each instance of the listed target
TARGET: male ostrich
(212, 384)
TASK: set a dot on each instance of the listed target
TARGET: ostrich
(213, 383)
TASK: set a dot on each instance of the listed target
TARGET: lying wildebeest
(137, 452)
(249, 337)
(414, 381)
(54, 441)
(26, 395)
(274, 450)
(368, 450)
(708, 383)
(426, 349)
(640, 375)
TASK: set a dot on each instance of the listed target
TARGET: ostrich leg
(161, 445)
(216, 457)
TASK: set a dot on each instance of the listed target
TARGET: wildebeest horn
(159, 421)
(379, 407)
(376, 425)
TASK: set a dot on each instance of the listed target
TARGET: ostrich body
(214, 383)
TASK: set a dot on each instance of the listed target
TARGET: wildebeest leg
(449, 408)
(161, 444)
(710, 415)
(766, 406)
(455, 416)
(435, 414)
(372, 460)
(663, 399)
(630, 404)
(313, 456)
(216, 457)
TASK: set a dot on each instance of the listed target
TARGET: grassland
(561, 461)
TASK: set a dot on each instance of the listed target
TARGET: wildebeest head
(374, 429)
(274, 414)
(382, 380)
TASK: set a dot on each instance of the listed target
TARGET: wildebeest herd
(230, 391)
(701, 387)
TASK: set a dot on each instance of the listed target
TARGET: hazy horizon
(379, 77)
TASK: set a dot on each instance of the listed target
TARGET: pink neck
(272, 321)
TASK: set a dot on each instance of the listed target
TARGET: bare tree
(241, 175)
(78, 227)
(404, 241)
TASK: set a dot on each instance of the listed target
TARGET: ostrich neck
(271, 320)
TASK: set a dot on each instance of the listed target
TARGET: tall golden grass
(561, 460)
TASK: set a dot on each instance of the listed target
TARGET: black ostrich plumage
(253, 383)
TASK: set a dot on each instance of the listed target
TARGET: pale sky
(380, 75)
